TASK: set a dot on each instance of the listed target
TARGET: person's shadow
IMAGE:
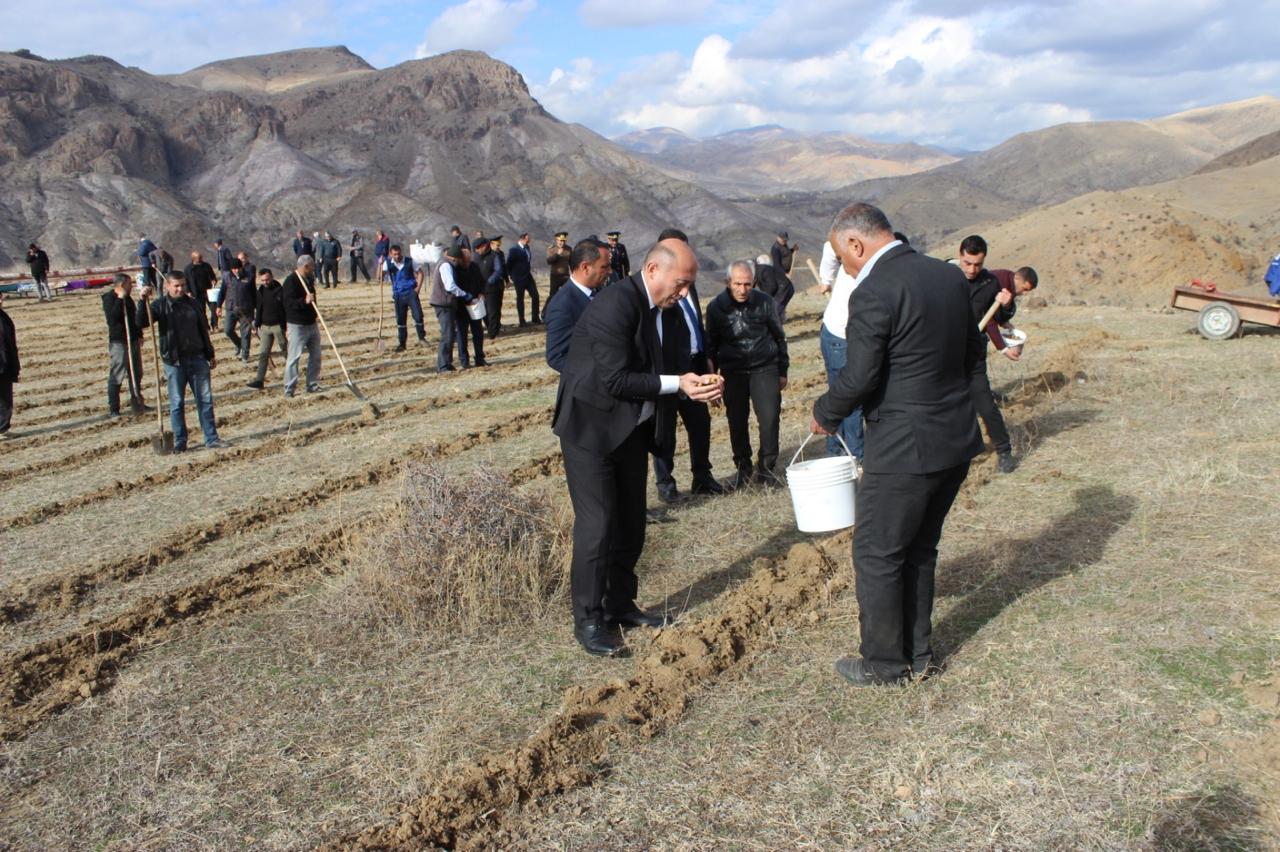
(1065, 545)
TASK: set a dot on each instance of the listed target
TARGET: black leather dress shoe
(854, 670)
(706, 486)
(638, 618)
(598, 641)
(670, 495)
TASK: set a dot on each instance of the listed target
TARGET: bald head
(670, 269)
(857, 233)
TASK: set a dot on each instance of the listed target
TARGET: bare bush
(463, 552)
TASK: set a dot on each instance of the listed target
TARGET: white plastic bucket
(1014, 338)
(476, 310)
(822, 490)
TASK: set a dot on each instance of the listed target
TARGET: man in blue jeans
(187, 352)
(406, 283)
(840, 284)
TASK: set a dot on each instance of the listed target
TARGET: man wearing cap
(494, 270)
(406, 283)
(445, 297)
(620, 264)
(558, 262)
(782, 254)
(520, 270)
(145, 249)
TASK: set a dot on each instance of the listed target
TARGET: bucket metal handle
(800, 449)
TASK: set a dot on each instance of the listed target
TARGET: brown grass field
(188, 661)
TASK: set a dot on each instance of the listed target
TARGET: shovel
(162, 441)
(380, 345)
(135, 390)
(373, 409)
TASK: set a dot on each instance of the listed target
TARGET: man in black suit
(590, 270)
(520, 268)
(612, 385)
(912, 348)
(684, 350)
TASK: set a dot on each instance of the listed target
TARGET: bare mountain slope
(1132, 247)
(274, 72)
(765, 160)
(95, 153)
(1255, 151)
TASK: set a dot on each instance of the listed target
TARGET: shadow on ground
(1219, 819)
(1065, 545)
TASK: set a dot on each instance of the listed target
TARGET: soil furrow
(70, 591)
(286, 439)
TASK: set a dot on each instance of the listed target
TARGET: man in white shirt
(831, 340)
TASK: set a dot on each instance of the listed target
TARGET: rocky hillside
(93, 153)
(767, 160)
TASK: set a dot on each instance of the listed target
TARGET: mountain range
(93, 153)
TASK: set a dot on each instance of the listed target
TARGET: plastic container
(1014, 339)
(476, 310)
(822, 490)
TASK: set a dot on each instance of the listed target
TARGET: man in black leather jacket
(746, 341)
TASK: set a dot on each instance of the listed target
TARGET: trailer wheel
(1218, 321)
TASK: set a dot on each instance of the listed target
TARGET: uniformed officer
(620, 263)
(558, 261)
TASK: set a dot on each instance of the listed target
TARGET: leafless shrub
(463, 552)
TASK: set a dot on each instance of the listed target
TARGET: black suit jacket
(912, 345)
(613, 366)
(676, 357)
(560, 318)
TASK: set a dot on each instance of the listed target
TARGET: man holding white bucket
(912, 348)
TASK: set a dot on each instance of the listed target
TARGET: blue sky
(964, 75)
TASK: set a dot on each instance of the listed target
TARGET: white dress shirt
(586, 291)
(836, 317)
(450, 285)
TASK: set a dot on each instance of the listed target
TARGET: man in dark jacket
(236, 303)
(558, 263)
(746, 342)
(187, 352)
(911, 349)
(775, 284)
(520, 269)
(381, 248)
(782, 254)
(493, 269)
(200, 280)
(124, 345)
(472, 282)
(268, 321)
(619, 260)
(302, 245)
(356, 252)
(330, 252)
(446, 296)
(300, 325)
(590, 270)
(984, 290)
(39, 263)
(10, 367)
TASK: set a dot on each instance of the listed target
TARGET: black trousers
(493, 310)
(464, 324)
(447, 316)
(697, 426)
(760, 391)
(6, 406)
(608, 494)
(357, 262)
(895, 551)
(531, 287)
(985, 403)
(329, 272)
(557, 281)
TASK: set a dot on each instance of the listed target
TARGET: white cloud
(475, 25)
(565, 93)
(610, 14)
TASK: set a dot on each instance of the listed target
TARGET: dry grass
(462, 552)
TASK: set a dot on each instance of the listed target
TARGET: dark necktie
(693, 321)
